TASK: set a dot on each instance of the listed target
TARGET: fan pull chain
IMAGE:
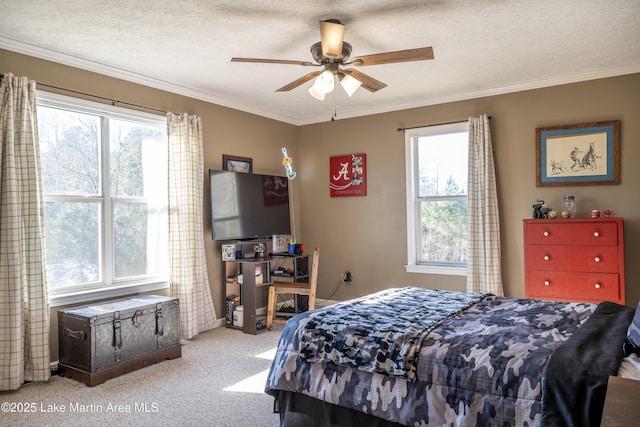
(333, 104)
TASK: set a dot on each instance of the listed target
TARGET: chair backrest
(313, 279)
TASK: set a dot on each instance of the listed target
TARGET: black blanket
(576, 377)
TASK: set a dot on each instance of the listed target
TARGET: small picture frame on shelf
(228, 252)
(237, 164)
(280, 243)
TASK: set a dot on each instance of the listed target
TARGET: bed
(415, 356)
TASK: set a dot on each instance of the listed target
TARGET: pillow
(633, 333)
(630, 367)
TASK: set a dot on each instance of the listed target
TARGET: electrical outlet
(347, 277)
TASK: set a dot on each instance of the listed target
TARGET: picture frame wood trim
(237, 163)
(578, 154)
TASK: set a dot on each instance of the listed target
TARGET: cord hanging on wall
(287, 162)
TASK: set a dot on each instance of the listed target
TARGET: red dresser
(574, 259)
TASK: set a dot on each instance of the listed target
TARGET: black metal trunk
(104, 340)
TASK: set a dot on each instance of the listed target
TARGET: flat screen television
(248, 205)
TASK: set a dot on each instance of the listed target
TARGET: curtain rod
(113, 102)
(434, 124)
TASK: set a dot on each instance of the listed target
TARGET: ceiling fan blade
(408, 55)
(369, 83)
(331, 38)
(274, 61)
(294, 84)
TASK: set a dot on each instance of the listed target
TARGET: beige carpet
(218, 381)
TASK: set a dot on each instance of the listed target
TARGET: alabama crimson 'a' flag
(348, 175)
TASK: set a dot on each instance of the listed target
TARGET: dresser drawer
(571, 286)
(572, 258)
(552, 232)
(555, 257)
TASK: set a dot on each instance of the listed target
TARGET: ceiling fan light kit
(332, 52)
(325, 83)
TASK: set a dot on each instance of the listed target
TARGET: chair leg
(312, 301)
(271, 306)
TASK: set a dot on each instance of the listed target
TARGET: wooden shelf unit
(253, 291)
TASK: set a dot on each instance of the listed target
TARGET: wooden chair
(294, 288)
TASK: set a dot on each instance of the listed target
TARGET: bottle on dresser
(569, 207)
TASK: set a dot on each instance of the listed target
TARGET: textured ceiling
(481, 47)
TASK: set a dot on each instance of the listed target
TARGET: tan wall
(367, 235)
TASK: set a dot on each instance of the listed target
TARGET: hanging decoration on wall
(288, 164)
(348, 175)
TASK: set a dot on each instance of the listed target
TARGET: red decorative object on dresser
(574, 259)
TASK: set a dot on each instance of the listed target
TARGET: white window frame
(108, 288)
(413, 215)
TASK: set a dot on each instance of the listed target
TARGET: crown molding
(502, 90)
(83, 64)
(96, 67)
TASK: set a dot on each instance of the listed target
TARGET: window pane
(140, 243)
(138, 159)
(442, 164)
(104, 175)
(443, 231)
(130, 233)
(73, 243)
(69, 152)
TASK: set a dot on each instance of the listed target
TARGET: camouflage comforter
(378, 336)
(483, 365)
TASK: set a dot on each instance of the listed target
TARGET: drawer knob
(597, 259)
(546, 257)
(598, 285)
(547, 283)
(596, 234)
(545, 234)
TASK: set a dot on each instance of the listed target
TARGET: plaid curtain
(24, 301)
(484, 268)
(189, 280)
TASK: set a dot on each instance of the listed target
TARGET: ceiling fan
(332, 53)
